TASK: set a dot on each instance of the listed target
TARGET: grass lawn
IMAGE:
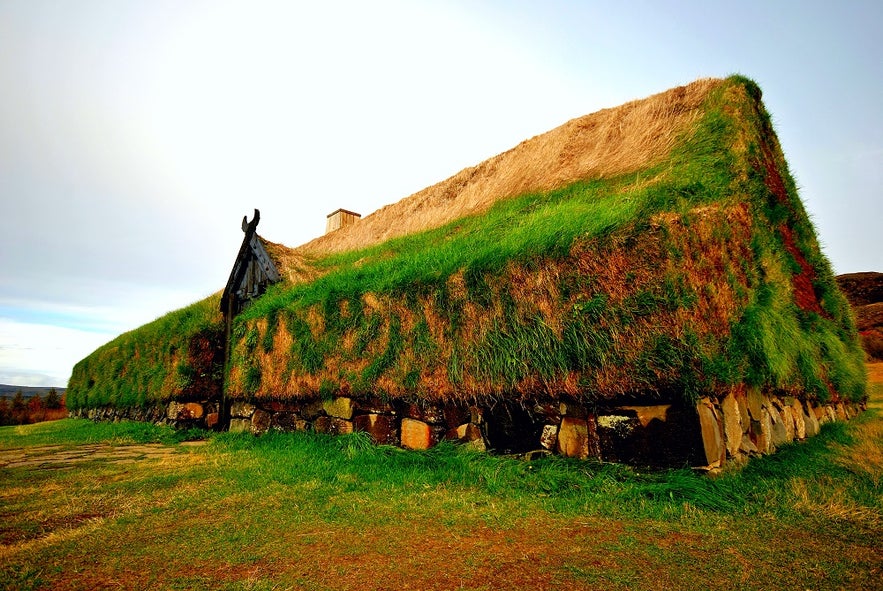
(133, 506)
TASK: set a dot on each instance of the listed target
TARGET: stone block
(621, 425)
(840, 410)
(573, 438)
(778, 432)
(799, 419)
(469, 435)
(288, 421)
(260, 421)
(312, 409)
(457, 433)
(712, 434)
(340, 426)
(766, 426)
(242, 410)
(211, 420)
(742, 402)
(788, 418)
(186, 411)
(831, 413)
(240, 425)
(811, 421)
(476, 415)
(381, 428)
(549, 436)
(322, 425)
(732, 419)
(415, 434)
(341, 408)
(756, 401)
(747, 446)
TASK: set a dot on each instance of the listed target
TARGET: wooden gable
(252, 272)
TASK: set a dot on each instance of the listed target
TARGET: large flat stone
(240, 425)
(742, 401)
(811, 422)
(732, 424)
(341, 408)
(756, 401)
(185, 411)
(573, 438)
(712, 434)
(766, 427)
(831, 413)
(747, 446)
(788, 419)
(469, 435)
(415, 434)
(778, 432)
(799, 419)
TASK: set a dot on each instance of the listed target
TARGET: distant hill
(7, 391)
(865, 293)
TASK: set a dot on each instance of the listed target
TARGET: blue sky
(135, 135)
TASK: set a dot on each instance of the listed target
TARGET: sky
(135, 135)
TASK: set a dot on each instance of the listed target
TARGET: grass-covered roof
(655, 251)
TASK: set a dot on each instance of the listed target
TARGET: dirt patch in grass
(59, 457)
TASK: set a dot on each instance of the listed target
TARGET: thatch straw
(294, 265)
(603, 144)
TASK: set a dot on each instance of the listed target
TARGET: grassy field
(133, 506)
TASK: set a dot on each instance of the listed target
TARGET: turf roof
(655, 251)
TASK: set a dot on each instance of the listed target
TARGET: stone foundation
(748, 423)
(181, 415)
(732, 428)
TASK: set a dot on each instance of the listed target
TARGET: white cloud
(41, 340)
(42, 355)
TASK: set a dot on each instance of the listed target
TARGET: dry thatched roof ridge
(602, 144)
(294, 265)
